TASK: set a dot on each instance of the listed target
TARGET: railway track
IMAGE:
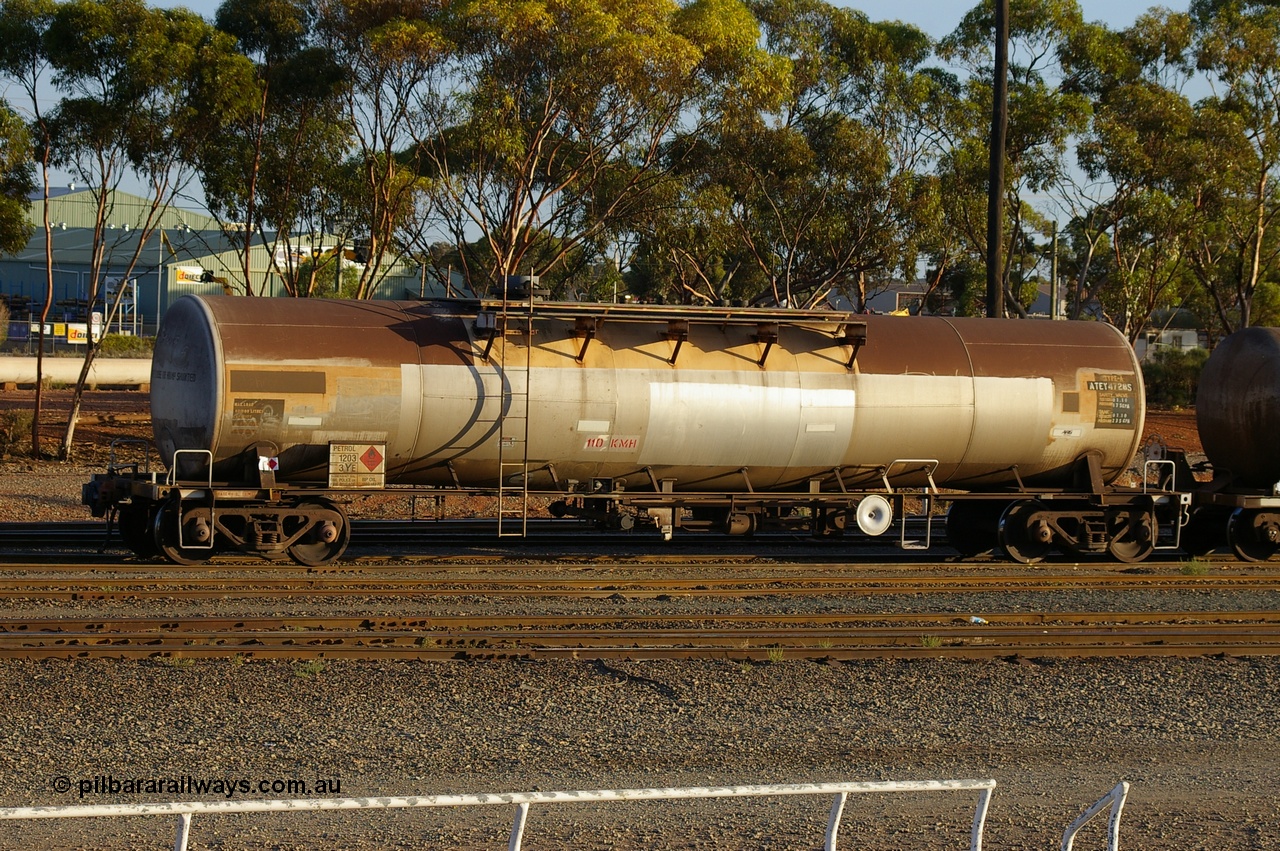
(78, 582)
(737, 637)
(663, 611)
(755, 601)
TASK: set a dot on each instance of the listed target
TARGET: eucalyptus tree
(1238, 249)
(272, 169)
(16, 180)
(393, 56)
(1144, 151)
(24, 61)
(136, 101)
(561, 113)
(822, 187)
(1043, 117)
(687, 249)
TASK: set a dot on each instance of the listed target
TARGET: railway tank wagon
(268, 411)
(1238, 416)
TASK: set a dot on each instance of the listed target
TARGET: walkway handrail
(185, 810)
(1115, 798)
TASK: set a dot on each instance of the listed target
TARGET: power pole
(995, 184)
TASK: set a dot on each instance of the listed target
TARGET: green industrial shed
(187, 253)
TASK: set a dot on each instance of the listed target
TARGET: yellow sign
(357, 465)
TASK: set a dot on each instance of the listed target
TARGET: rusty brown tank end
(1238, 401)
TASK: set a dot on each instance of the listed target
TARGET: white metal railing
(1115, 798)
(523, 800)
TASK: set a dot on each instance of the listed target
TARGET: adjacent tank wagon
(1238, 416)
(268, 413)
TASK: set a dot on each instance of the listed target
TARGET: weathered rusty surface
(606, 401)
(766, 637)
(1238, 407)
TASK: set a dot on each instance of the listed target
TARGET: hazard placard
(357, 465)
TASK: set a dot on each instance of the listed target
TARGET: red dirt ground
(104, 416)
(1176, 428)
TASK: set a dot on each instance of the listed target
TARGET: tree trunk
(44, 312)
(72, 417)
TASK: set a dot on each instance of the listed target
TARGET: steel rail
(18, 626)
(782, 556)
(156, 584)
(771, 655)
(769, 643)
(1205, 635)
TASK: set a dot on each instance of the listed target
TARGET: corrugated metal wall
(76, 208)
(168, 266)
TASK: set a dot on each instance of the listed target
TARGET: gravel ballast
(1195, 738)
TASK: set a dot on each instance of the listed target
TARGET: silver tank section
(1238, 407)
(983, 403)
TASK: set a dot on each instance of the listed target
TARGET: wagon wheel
(1246, 538)
(165, 532)
(1019, 537)
(326, 539)
(134, 524)
(1131, 536)
(972, 526)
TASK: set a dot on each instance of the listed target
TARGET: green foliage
(810, 195)
(1043, 117)
(275, 158)
(967, 283)
(309, 669)
(324, 283)
(15, 430)
(1266, 305)
(1194, 567)
(125, 346)
(17, 180)
(272, 29)
(565, 119)
(4, 323)
(1172, 377)
(1238, 48)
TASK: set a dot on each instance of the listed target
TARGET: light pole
(995, 186)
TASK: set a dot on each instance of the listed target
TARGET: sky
(940, 17)
(936, 17)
